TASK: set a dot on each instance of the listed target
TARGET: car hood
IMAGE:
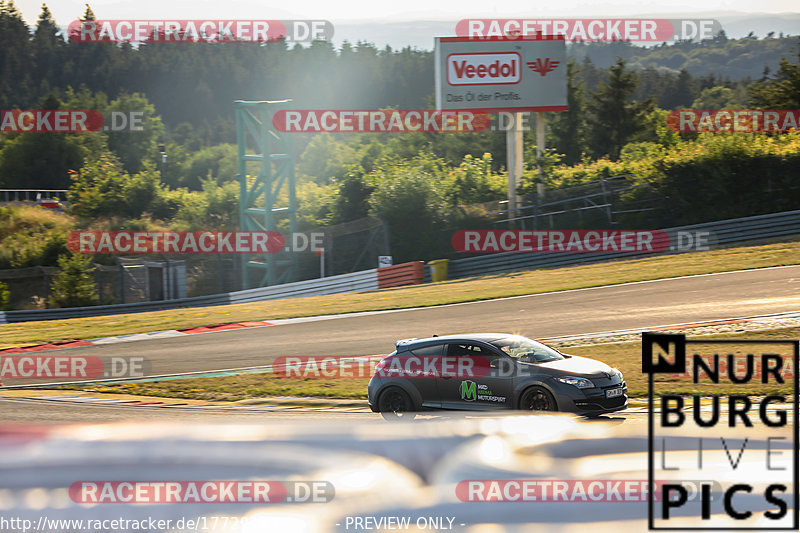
(578, 365)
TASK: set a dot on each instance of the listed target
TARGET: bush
(74, 285)
(409, 197)
(5, 296)
(32, 236)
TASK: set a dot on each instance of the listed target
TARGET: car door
(478, 392)
(425, 383)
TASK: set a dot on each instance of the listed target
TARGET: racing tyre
(537, 399)
(395, 404)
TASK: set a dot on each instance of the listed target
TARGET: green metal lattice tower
(267, 194)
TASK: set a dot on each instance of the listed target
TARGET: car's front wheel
(537, 399)
(395, 404)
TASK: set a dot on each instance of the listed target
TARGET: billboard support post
(540, 126)
(514, 162)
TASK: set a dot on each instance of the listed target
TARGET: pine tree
(48, 49)
(782, 90)
(614, 118)
(15, 58)
(568, 127)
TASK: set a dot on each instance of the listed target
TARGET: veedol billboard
(497, 74)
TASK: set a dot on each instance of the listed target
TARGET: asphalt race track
(629, 306)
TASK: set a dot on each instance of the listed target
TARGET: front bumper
(596, 402)
(592, 401)
(600, 405)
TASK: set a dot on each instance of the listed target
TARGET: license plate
(613, 393)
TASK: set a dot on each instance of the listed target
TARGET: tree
(103, 189)
(720, 97)
(74, 285)
(782, 91)
(409, 198)
(15, 59)
(568, 128)
(475, 183)
(352, 200)
(48, 48)
(5, 296)
(135, 146)
(681, 93)
(42, 160)
(614, 119)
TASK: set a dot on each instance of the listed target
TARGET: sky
(65, 11)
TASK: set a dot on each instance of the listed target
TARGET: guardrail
(31, 195)
(726, 232)
(353, 282)
(399, 275)
(365, 280)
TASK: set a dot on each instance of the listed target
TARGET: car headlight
(581, 383)
(616, 371)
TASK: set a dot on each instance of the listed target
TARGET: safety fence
(365, 280)
(722, 233)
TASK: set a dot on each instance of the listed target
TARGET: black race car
(492, 371)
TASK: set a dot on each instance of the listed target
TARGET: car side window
(460, 350)
(428, 351)
(473, 350)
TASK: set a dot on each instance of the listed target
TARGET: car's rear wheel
(538, 399)
(395, 404)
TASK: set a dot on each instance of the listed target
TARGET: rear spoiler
(404, 341)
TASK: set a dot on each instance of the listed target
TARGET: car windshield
(526, 350)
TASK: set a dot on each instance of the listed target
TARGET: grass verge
(465, 290)
(625, 356)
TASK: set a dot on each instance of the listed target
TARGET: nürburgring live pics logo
(751, 449)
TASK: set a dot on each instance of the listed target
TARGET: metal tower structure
(266, 189)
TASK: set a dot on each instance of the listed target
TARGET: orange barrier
(404, 274)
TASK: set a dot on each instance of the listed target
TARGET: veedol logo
(492, 68)
(543, 67)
